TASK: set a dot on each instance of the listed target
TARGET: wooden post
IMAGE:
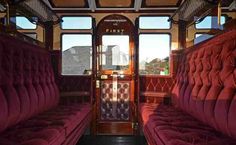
(182, 34)
(48, 35)
(10, 22)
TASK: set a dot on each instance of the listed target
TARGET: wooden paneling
(115, 3)
(68, 4)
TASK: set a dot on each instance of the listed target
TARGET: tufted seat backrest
(206, 82)
(27, 85)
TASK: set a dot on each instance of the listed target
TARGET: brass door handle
(104, 77)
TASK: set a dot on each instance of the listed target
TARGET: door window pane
(76, 23)
(76, 54)
(154, 52)
(115, 52)
(154, 22)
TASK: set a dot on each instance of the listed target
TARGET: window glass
(154, 52)
(76, 23)
(23, 23)
(76, 54)
(154, 22)
(32, 35)
(115, 52)
(201, 37)
(210, 22)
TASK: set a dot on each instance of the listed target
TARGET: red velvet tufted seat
(29, 110)
(204, 98)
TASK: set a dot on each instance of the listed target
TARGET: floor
(112, 140)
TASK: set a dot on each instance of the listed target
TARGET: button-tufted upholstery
(204, 98)
(29, 110)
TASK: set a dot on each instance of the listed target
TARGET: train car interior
(117, 72)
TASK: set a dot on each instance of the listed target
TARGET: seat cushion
(48, 128)
(34, 135)
(68, 116)
(29, 142)
(65, 116)
(167, 125)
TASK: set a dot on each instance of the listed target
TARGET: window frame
(61, 44)
(75, 17)
(170, 63)
(148, 29)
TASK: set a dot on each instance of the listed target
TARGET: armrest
(74, 97)
(157, 97)
(154, 94)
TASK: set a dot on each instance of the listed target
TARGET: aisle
(112, 140)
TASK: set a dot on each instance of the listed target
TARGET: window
(74, 22)
(23, 23)
(32, 35)
(76, 54)
(154, 22)
(210, 22)
(154, 51)
(115, 52)
(199, 37)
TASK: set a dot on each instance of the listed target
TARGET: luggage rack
(37, 8)
(192, 11)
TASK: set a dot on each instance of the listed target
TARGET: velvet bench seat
(203, 110)
(166, 125)
(30, 113)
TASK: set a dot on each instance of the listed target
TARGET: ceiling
(106, 5)
(96, 5)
